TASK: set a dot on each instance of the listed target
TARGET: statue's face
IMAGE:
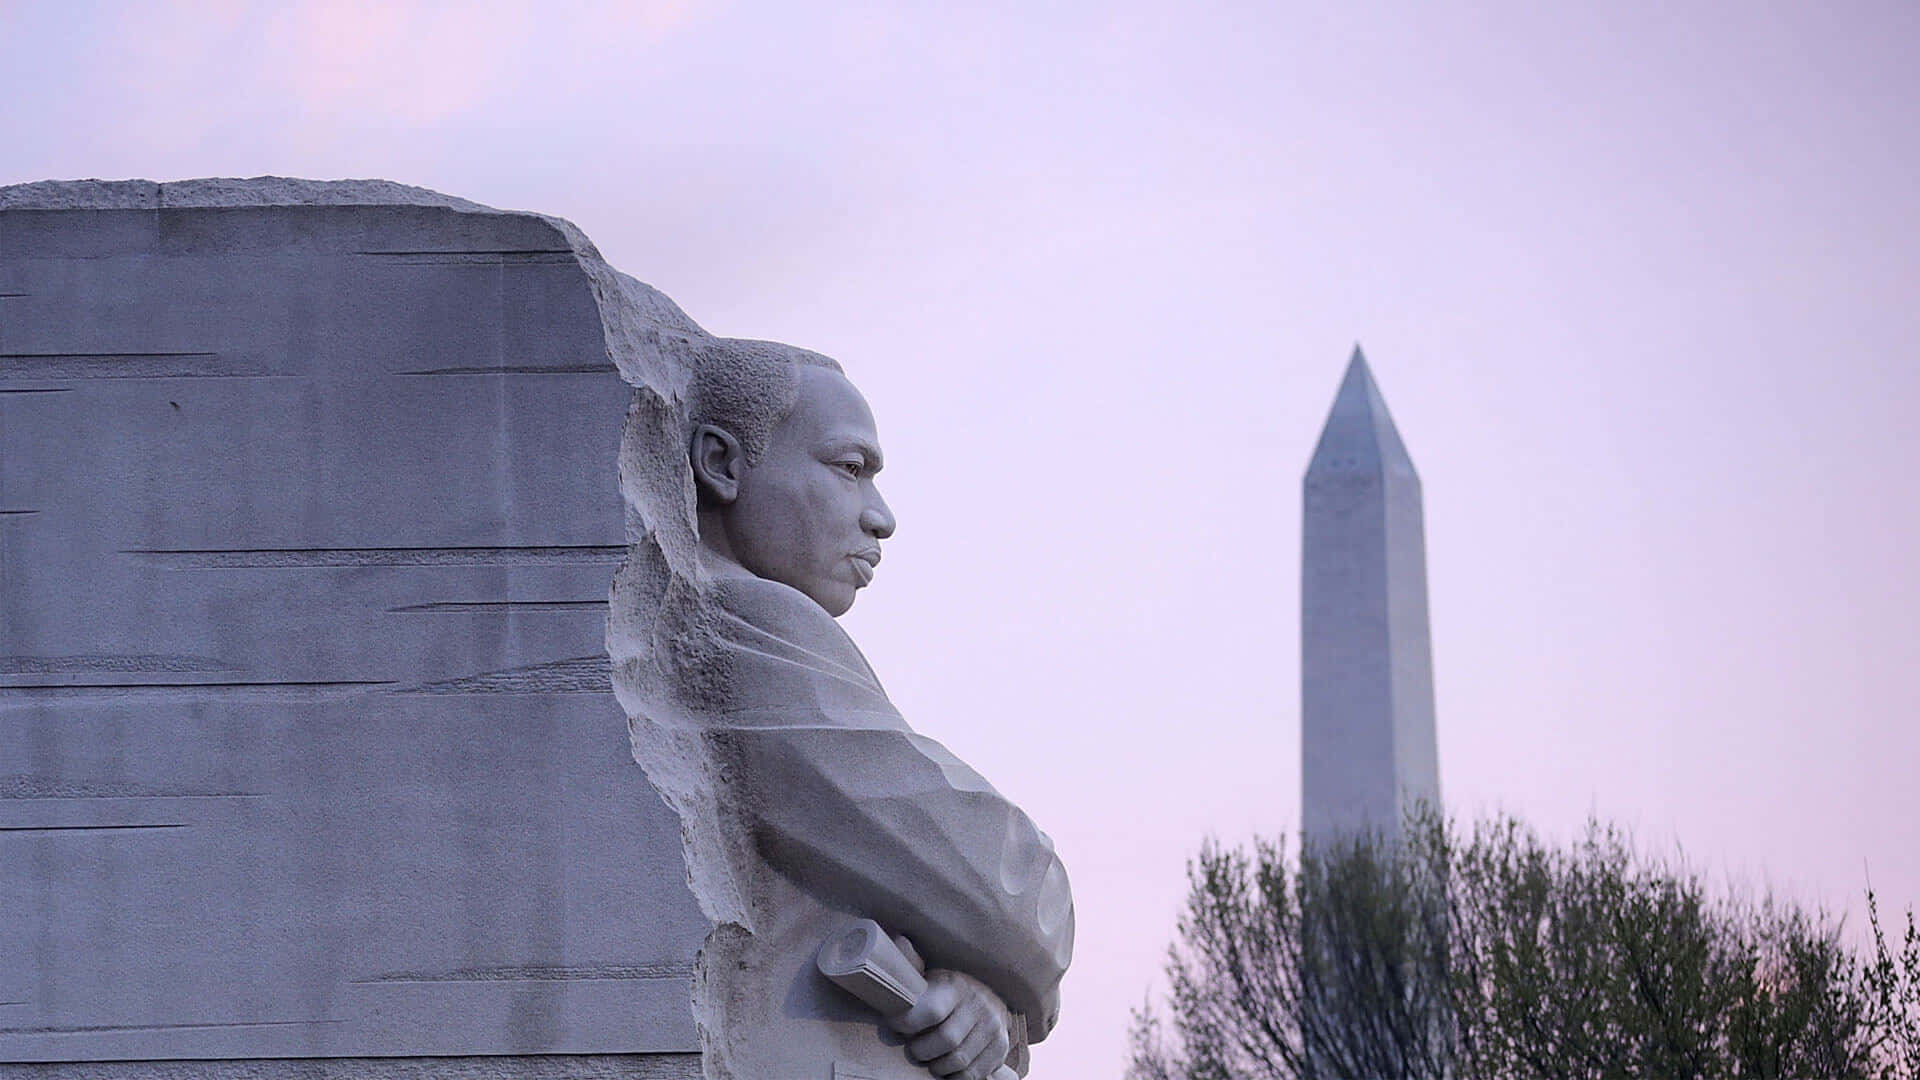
(807, 513)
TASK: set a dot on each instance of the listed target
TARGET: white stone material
(313, 651)
(308, 747)
(1367, 725)
(806, 801)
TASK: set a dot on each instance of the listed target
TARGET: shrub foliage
(1496, 955)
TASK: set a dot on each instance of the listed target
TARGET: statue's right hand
(958, 1029)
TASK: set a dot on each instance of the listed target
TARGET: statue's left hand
(959, 1029)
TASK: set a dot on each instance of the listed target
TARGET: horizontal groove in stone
(92, 828)
(472, 251)
(539, 973)
(87, 1028)
(265, 558)
(126, 365)
(655, 1065)
(506, 606)
(90, 664)
(471, 258)
(255, 691)
(564, 369)
(29, 786)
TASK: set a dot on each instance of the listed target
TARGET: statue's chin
(837, 599)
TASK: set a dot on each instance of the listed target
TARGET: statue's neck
(717, 559)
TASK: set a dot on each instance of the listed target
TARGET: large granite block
(308, 515)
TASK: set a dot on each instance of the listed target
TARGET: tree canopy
(1494, 954)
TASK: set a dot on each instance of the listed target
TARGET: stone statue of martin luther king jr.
(807, 803)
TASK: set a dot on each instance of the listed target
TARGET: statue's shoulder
(778, 620)
(777, 608)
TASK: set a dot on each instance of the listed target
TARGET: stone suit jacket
(853, 815)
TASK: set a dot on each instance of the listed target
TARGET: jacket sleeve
(890, 825)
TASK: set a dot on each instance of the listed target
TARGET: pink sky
(1640, 282)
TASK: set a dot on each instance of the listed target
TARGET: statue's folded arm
(889, 825)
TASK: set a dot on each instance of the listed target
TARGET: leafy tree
(1496, 955)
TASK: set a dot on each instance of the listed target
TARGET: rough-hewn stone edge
(518, 1067)
(213, 192)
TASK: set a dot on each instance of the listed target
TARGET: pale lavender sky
(1641, 283)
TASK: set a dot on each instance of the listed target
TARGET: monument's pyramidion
(1359, 433)
(1367, 727)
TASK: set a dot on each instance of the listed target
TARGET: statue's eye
(851, 468)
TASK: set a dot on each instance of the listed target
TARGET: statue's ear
(718, 462)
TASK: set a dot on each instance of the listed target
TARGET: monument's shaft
(1367, 731)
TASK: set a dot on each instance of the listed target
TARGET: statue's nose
(876, 520)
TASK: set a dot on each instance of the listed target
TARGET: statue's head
(784, 453)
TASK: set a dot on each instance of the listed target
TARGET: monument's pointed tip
(1359, 428)
(1357, 388)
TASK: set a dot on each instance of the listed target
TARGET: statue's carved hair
(747, 387)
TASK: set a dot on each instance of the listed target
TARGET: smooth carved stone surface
(806, 801)
(307, 746)
(1367, 727)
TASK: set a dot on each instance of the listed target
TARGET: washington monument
(1366, 686)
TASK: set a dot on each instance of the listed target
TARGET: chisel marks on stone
(540, 973)
(581, 675)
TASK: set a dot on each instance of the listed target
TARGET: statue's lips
(863, 564)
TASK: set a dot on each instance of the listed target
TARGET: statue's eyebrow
(875, 461)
